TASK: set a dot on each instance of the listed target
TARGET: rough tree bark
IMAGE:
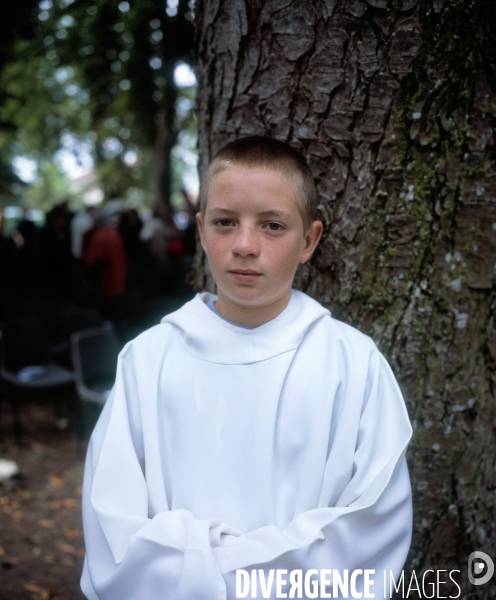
(393, 105)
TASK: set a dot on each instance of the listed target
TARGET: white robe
(223, 448)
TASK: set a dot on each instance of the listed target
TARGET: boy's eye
(224, 222)
(274, 226)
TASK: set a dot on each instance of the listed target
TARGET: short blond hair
(261, 153)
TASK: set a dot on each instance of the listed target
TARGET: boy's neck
(250, 316)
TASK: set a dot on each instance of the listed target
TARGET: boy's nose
(246, 242)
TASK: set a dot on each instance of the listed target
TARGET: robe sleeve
(177, 556)
(128, 555)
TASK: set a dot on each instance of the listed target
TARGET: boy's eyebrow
(223, 211)
(275, 213)
(265, 213)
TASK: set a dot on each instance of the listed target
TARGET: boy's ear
(312, 238)
(199, 220)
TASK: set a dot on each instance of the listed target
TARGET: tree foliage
(99, 70)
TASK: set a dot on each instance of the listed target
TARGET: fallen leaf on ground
(73, 534)
(70, 503)
(40, 593)
(46, 523)
(57, 482)
(17, 516)
(48, 559)
(2, 551)
(32, 587)
(67, 547)
(68, 562)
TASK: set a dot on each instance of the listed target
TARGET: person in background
(157, 234)
(54, 243)
(26, 239)
(27, 229)
(130, 226)
(104, 257)
(113, 207)
(82, 222)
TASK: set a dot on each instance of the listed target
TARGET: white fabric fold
(290, 458)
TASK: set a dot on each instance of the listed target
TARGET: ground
(41, 539)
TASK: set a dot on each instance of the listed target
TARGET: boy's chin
(250, 297)
(246, 299)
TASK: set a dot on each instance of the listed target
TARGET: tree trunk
(161, 179)
(393, 105)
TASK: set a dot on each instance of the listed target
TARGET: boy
(249, 431)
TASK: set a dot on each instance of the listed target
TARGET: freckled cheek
(216, 247)
(219, 254)
(284, 259)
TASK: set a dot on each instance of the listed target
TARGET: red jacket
(106, 246)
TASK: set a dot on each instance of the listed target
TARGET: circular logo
(477, 563)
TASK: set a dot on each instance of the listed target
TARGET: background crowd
(108, 262)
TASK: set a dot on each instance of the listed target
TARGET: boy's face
(252, 233)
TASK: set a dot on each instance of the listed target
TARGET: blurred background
(98, 192)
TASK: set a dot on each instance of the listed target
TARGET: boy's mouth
(245, 275)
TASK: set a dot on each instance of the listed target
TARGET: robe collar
(209, 337)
